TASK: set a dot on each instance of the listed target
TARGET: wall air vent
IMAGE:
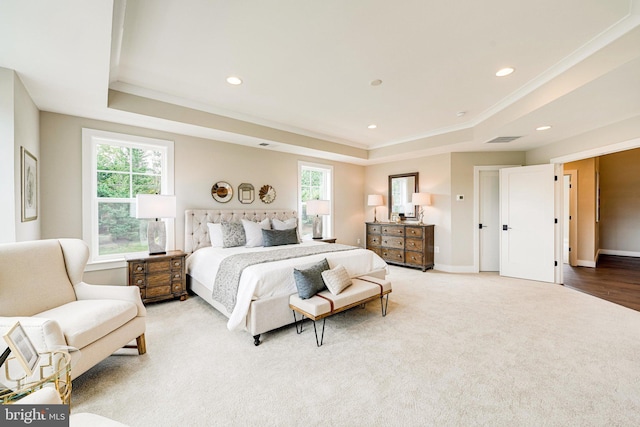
(502, 139)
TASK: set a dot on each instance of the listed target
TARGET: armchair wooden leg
(142, 345)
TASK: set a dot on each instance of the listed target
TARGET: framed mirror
(401, 189)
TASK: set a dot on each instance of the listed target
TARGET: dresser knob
(140, 281)
(139, 268)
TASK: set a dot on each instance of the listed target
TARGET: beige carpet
(454, 350)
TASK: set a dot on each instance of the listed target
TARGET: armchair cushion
(84, 322)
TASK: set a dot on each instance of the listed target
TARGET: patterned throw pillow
(233, 234)
(279, 237)
(309, 279)
(337, 279)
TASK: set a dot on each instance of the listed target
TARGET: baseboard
(455, 268)
(585, 263)
(619, 253)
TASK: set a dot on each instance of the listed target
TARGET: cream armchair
(41, 286)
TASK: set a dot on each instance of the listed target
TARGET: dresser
(409, 245)
(159, 277)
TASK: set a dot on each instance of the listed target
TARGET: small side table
(54, 368)
(326, 240)
(159, 277)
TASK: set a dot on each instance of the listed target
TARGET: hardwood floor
(615, 279)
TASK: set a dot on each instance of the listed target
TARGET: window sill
(106, 265)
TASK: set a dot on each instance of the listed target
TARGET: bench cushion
(360, 289)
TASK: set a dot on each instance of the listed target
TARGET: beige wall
(198, 164)
(435, 178)
(19, 127)
(620, 203)
(587, 226)
(462, 183)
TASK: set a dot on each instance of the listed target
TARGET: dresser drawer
(158, 291)
(393, 242)
(176, 276)
(139, 280)
(177, 263)
(414, 245)
(373, 228)
(395, 255)
(158, 266)
(393, 230)
(373, 241)
(413, 231)
(414, 258)
(139, 267)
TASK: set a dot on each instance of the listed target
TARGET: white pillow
(215, 234)
(253, 231)
(337, 279)
(284, 225)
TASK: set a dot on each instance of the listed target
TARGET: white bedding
(272, 278)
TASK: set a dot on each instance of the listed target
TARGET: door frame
(573, 212)
(476, 209)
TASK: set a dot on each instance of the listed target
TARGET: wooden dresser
(409, 245)
(159, 277)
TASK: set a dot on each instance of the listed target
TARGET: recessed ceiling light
(232, 80)
(505, 72)
(376, 82)
(545, 127)
(372, 126)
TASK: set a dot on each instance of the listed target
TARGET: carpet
(453, 350)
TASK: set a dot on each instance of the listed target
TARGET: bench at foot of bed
(324, 304)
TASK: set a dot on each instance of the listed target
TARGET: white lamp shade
(374, 200)
(155, 206)
(421, 199)
(318, 207)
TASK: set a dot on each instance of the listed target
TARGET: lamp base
(317, 227)
(157, 235)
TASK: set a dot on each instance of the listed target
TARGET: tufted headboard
(196, 232)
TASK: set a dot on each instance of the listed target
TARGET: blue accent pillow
(309, 279)
(279, 237)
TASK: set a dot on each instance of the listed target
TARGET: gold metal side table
(54, 370)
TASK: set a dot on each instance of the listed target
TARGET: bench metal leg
(314, 330)
(384, 305)
(295, 321)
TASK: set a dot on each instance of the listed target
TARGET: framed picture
(29, 185)
(246, 193)
(22, 348)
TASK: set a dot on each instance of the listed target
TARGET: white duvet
(272, 278)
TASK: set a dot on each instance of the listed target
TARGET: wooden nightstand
(159, 277)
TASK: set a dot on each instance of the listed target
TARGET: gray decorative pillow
(309, 279)
(233, 234)
(337, 279)
(279, 237)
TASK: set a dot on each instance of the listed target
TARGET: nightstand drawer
(177, 263)
(157, 291)
(158, 266)
(139, 280)
(139, 267)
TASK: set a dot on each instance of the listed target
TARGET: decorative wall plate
(267, 194)
(222, 192)
(246, 193)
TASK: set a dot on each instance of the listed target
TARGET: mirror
(401, 189)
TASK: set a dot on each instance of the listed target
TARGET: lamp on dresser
(317, 208)
(422, 200)
(374, 200)
(156, 206)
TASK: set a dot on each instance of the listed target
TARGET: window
(315, 181)
(116, 167)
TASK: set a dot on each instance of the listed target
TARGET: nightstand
(327, 239)
(159, 277)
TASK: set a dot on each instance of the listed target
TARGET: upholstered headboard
(196, 232)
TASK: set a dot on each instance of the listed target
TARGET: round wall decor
(267, 194)
(222, 192)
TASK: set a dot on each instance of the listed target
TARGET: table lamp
(374, 200)
(317, 208)
(421, 199)
(156, 206)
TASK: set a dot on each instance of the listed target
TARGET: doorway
(570, 237)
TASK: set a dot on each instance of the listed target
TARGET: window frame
(90, 140)
(327, 220)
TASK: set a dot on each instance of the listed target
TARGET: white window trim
(328, 223)
(90, 139)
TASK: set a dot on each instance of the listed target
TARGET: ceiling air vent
(502, 139)
(264, 144)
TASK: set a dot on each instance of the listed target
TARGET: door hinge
(555, 263)
(555, 220)
(555, 177)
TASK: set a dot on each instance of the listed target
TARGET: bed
(263, 288)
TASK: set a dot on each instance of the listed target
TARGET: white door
(489, 220)
(527, 196)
